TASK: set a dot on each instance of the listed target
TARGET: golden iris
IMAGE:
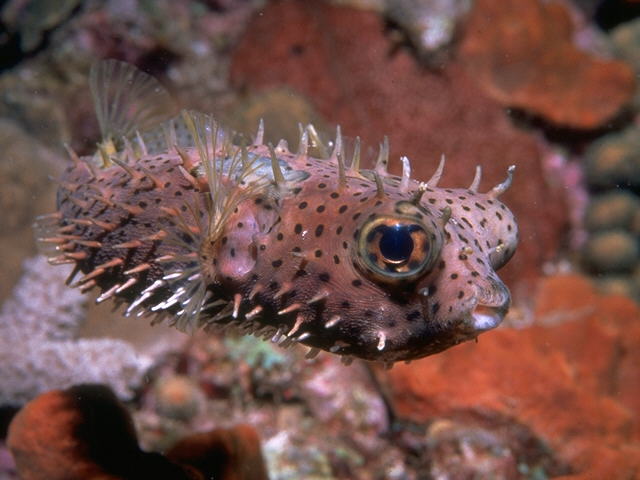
(394, 248)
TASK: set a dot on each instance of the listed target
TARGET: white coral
(39, 345)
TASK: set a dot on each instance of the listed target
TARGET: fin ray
(127, 100)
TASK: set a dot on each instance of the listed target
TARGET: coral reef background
(39, 345)
(547, 85)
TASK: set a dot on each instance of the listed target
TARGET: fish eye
(396, 248)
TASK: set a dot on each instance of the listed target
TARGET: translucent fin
(183, 272)
(127, 100)
(228, 171)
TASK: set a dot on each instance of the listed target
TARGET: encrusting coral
(449, 105)
(39, 345)
(573, 382)
(612, 168)
(524, 56)
(85, 432)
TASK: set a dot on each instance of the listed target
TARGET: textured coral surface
(557, 397)
(553, 392)
(572, 378)
(371, 93)
(84, 432)
(40, 348)
(525, 56)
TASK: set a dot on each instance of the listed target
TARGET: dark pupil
(396, 243)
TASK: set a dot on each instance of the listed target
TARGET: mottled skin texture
(287, 260)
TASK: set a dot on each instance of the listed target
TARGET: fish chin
(480, 313)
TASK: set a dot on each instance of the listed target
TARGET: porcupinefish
(280, 244)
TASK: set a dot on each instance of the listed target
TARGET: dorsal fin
(127, 100)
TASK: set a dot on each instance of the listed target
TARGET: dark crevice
(572, 138)
(611, 13)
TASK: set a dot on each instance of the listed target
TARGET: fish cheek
(465, 280)
(451, 288)
(503, 236)
(507, 251)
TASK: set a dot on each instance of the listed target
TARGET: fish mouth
(487, 317)
(492, 301)
(491, 306)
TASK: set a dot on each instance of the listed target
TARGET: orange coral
(572, 378)
(524, 56)
(425, 114)
(85, 432)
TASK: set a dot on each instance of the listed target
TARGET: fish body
(284, 245)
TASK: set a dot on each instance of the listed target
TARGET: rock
(25, 191)
(317, 418)
(611, 251)
(289, 457)
(41, 348)
(18, 183)
(32, 20)
(430, 26)
(47, 93)
(524, 56)
(571, 378)
(85, 432)
(425, 114)
(178, 397)
(470, 445)
(337, 399)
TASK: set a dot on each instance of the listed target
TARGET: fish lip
(491, 306)
(487, 317)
